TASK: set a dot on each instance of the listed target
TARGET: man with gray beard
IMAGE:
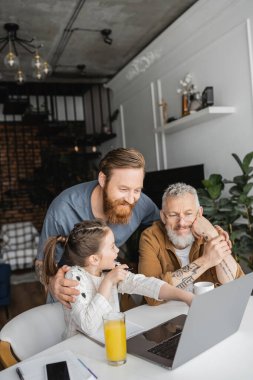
(184, 246)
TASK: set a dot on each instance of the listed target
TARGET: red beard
(118, 211)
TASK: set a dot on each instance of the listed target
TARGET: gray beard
(180, 241)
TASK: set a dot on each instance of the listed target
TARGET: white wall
(213, 41)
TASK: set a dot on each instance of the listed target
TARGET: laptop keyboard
(166, 349)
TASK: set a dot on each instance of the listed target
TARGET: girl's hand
(117, 274)
(113, 277)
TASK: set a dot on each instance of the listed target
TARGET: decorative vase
(185, 104)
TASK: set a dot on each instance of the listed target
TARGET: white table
(229, 360)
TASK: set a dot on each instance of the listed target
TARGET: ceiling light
(38, 74)
(11, 60)
(41, 68)
(20, 77)
(47, 69)
(37, 61)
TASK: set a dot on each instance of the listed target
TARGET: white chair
(31, 332)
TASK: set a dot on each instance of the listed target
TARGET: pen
(129, 269)
(118, 263)
(20, 374)
(93, 374)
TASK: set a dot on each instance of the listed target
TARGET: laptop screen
(212, 317)
(165, 331)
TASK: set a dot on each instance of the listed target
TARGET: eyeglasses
(176, 217)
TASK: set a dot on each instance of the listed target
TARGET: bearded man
(116, 197)
(183, 246)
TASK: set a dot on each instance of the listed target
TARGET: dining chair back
(31, 332)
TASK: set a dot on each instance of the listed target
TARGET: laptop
(212, 317)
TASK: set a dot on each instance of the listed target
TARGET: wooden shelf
(195, 118)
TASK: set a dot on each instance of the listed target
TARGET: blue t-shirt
(73, 205)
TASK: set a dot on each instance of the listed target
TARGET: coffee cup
(202, 287)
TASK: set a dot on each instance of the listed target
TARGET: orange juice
(115, 341)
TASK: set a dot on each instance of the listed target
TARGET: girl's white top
(90, 306)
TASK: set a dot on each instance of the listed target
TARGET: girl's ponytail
(50, 266)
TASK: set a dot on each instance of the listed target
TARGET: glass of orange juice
(115, 338)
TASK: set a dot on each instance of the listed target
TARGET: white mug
(202, 287)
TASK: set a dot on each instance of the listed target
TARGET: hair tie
(61, 239)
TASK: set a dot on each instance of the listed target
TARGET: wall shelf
(196, 118)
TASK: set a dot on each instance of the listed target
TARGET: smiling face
(121, 193)
(178, 214)
(108, 252)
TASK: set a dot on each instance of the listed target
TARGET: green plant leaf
(234, 213)
(206, 202)
(246, 162)
(224, 202)
(214, 186)
(243, 198)
(215, 191)
(234, 190)
(214, 179)
(239, 179)
(238, 161)
(250, 170)
(209, 211)
(247, 188)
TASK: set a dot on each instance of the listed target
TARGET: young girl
(91, 248)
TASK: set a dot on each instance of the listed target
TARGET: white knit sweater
(90, 306)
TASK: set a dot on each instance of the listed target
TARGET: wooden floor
(23, 297)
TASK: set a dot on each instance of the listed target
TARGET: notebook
(212, 317)
(35, 368)
(132, 329)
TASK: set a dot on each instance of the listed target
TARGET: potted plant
(234, 212)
